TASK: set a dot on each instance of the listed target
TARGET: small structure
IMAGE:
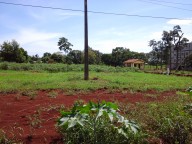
(134, 63)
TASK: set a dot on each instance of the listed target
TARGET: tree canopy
(64, 45)
(12, 52)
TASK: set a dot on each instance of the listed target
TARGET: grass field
(136, 81)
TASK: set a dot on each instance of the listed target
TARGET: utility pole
(86, 63)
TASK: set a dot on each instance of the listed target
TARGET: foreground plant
(189, 90)
(98, 123)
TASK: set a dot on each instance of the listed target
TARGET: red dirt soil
(32, 121)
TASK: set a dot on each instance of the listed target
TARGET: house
(182, 55)
(134, 63)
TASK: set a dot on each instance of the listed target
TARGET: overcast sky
(38, 30)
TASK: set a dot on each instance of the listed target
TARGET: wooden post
(86, 64)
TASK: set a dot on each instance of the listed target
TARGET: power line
(95, 12)
(171, 2)
(165, 5)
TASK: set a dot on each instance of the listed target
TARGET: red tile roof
(133, 61)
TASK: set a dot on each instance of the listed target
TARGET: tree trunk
(161, 60)
(170, 52)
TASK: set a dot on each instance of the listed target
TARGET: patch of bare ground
(32, 120)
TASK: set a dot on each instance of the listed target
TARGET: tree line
(12, 52)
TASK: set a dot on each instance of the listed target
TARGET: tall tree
(179, 42)
(167, 40)
(155, 52)
(64, 45)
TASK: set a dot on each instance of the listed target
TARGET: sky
(38, 30)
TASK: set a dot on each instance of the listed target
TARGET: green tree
(76, 56)
(119, 55)
(106, 59)
(94, 56)
(12, 52)
(64, 45)
(167, 40)
(46, 57)
(155, 55)
(57, 57)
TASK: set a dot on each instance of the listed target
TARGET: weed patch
(98, 123)
(31, 94)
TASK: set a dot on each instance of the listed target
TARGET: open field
(30, 102)
(134, 81)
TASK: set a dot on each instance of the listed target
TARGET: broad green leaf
(63, 120)
(111, 105)
(121, 131)
(100, 113)
(110, 116)
(72, 122)
(120, 118)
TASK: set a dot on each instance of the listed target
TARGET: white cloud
(56, 15)
(26, 36)
(41, 47)
(35, 42)
(156, 35)
(180, 22)
(106, 46)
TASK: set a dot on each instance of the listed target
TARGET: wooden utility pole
(86, 66)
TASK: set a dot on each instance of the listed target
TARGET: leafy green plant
(98, 123)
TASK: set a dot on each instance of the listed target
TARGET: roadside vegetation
(168, 122)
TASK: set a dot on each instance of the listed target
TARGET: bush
(4, 66)
(98, 123)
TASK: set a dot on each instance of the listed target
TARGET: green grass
(136, 81)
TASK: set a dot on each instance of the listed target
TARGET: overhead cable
(164, 5)
(95, 12)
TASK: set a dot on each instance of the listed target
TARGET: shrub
(4, 66)
(98, 123)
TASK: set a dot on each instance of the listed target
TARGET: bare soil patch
(32, 120)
